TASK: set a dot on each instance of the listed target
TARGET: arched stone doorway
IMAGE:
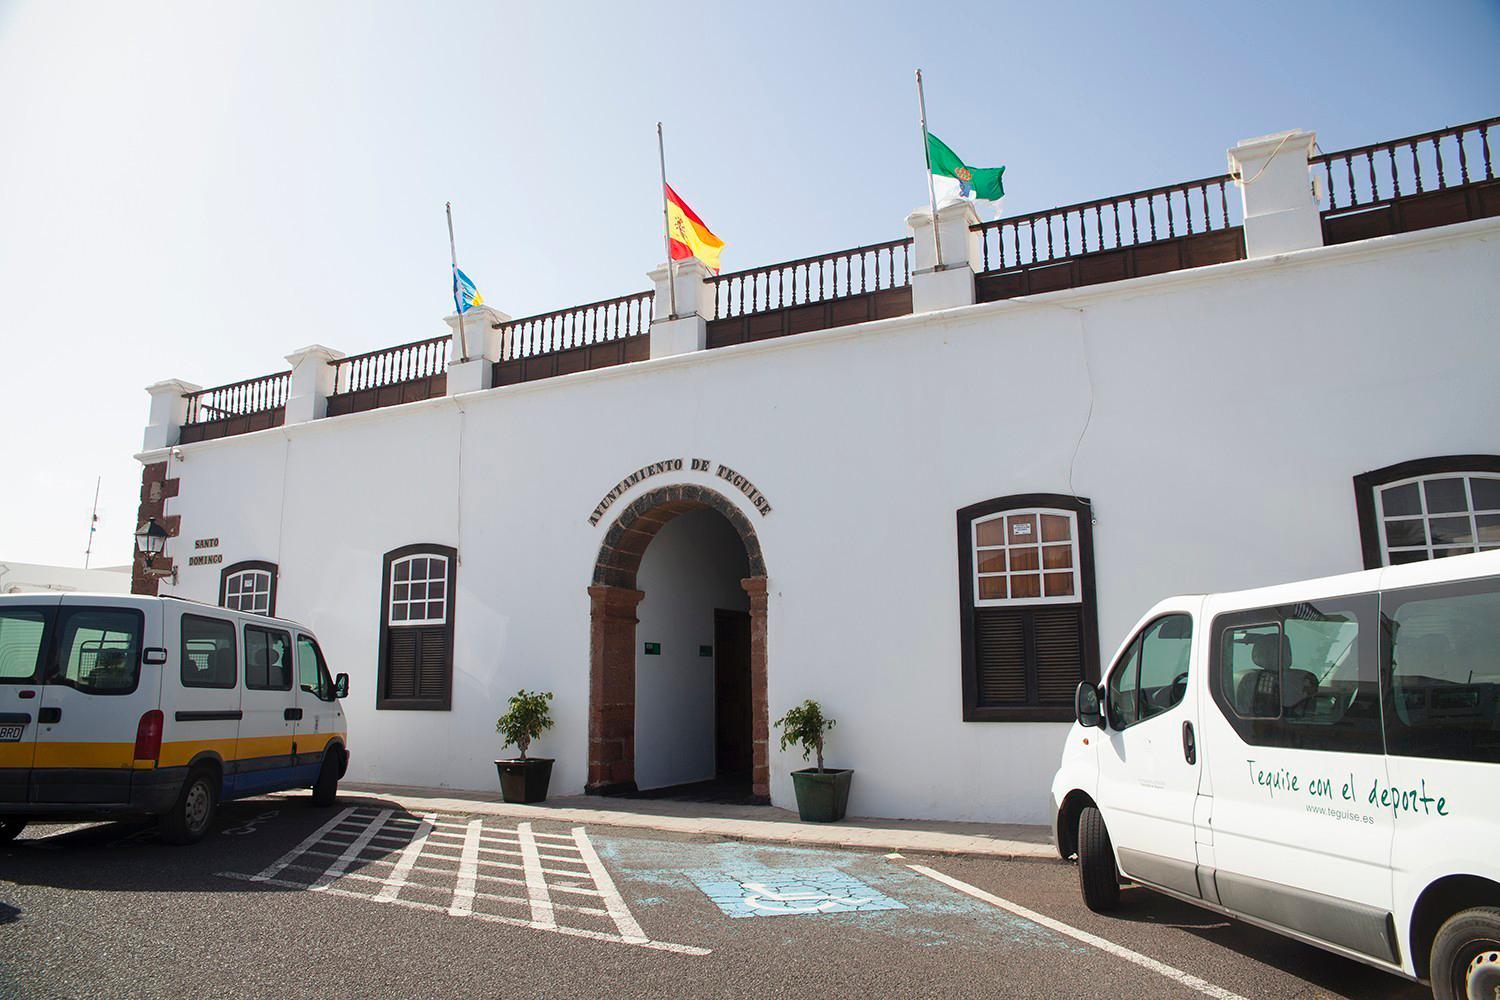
(613, 599)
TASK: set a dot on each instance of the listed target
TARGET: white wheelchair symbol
(763, 898)
(249, 826)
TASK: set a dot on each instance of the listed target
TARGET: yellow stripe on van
(177, 753)
(85, 754)
(16, 754)
(181, 752)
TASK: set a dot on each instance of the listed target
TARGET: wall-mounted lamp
(150, 541)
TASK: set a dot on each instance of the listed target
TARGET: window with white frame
(416, 628)
(1026, 596)
(419, 590)
(1026, 556)
(1430, 517)
(249, 587)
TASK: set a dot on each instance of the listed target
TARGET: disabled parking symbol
(778, 892)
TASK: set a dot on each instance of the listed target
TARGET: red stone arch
(613, 598)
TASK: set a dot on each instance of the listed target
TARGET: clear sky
(194, 190)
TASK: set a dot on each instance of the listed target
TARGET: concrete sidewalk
(734, 822)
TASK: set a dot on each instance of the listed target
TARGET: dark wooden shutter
(401, 662)
(1000, 663)
(1059, 652)
(416, 661)
(1028, 656)
(432, 660)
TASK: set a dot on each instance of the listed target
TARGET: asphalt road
(366, 900)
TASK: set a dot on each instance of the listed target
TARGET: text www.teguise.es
(1415, 800)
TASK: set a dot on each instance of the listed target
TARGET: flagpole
(666, 232)
(937, 240)
(453, 255)
(93, 523)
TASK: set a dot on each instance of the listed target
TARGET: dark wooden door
(732, 692)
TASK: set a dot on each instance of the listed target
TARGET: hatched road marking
(1119, 951)
(464, 868)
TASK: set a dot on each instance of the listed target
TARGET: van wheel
(1097, 875)
(10, 829)
(193, 813)
(326, 791)
(1466, 955)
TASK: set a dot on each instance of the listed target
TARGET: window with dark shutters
(1027, 597)
(416, 641)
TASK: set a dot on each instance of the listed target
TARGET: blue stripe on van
(275, 779)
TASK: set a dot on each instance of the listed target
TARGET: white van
(1320, 758)
(115, 706)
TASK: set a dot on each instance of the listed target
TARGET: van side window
(1301, 675)
(1441, 655)
(268, 659)
(207, 652)
(312, 672)
(1165, 649)
(1153, 674)
(21, 631)
(98, 650)
(1124, 684)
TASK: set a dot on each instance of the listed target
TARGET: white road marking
(629, 929)
(468, 865)
(536, 881)
(302, 848)
(361, 838)
(396, 880)
(593, 911)
(342, 863)
(680, 949)
(1119, 951)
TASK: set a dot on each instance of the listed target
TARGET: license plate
(11, 734)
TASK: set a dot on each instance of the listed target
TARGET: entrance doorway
(678, 652)
(732, 750)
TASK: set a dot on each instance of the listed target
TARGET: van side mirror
(1086, 706)
(341, 686)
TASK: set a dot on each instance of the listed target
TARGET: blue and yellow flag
(465, 295)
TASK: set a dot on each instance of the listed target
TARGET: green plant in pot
(822, 793)
(525, 779)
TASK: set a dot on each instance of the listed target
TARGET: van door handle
(25, 694)
(1189, 744)
(292, 714)
(49, 715)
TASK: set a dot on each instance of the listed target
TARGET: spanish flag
(688, 236)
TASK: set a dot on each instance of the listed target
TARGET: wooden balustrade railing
(563, 329)
(390, 365)
(813, 279)
(238, 399)
(1115, 223)
(1382, 172)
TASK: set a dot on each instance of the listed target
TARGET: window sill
(1018, 713)
(412, 705)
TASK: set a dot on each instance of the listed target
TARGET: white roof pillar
(1281, 211)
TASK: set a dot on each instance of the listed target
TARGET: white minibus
(1321, 759)
(114, 706)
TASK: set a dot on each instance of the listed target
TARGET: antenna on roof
(93, 523)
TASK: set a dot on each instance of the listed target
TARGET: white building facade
(934, 496)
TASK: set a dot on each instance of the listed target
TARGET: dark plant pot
(822, 796)
(524, 780)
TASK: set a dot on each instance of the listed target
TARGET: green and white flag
(953, 180)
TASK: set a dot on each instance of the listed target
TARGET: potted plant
(525, 779)
(822, 793)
